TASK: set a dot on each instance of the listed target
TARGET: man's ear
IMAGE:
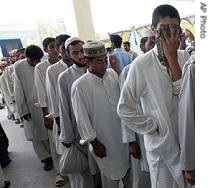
(153, 29)
(45, 50)
(142, 47)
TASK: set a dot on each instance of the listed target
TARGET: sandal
(60, 181)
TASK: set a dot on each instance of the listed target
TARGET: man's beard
(78, 64)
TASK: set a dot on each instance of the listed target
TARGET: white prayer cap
(94, 49)
(70, 40)
(147, 33)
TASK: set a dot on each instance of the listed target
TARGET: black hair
(164, 11)
(143, 40)
(60, 39)
(47, 41)
(21, 50)
(33, 52)
(127, 42)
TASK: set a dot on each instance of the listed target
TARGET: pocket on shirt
(161, 122)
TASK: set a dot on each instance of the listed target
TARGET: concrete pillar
(84, 21)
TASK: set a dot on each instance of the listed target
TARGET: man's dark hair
(60, 39)
(164, 11)
(33, 52)
(21, 50)
(143, 40)
(127, 42)
(47, 41)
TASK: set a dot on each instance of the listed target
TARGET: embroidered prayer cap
(94, 49)
(70, 40)
(115, 38)
(147, 33)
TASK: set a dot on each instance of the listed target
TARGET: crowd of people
(110, 114)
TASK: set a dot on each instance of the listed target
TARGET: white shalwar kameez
(69, 130)
(187, 117)
(26, 97)
(40, 82)
(94, 101)
(9, 79)
(129, 135)
(52, 75)
(149, 81)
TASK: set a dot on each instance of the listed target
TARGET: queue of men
(125, 113)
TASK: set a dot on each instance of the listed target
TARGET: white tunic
(40, 82)
(10, 80)
(26, 97)
(94, 101)
(129, 135)
(52, 74)
(187, 116)
(4, 89)
(149, 82)
(69, 132)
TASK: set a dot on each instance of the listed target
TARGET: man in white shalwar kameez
(187, 121)
(157, 84)
(9, 79)
(69, 132)
(94, 100)
(26, 97)
(136, 142)
(52, 74)
(50, 47)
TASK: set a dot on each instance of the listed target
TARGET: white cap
(147, 33)
(70, 40)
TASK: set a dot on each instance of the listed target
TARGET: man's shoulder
(190, 64)
(82, 81)
(53, 67)
(42, 64)
(20, 63)
(144, 60)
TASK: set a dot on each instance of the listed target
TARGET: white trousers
(42, 149)
(54, 154)
(109, 183)
(159, 173)
(82, 180)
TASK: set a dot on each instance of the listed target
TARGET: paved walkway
(25, 170)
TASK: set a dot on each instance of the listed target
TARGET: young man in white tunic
(136, 141)
(50, 47)
(52, 75)
(9, 79)
(26, 97)
(187, 121)
(157, 84)
(94, 99)
(69, 132)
